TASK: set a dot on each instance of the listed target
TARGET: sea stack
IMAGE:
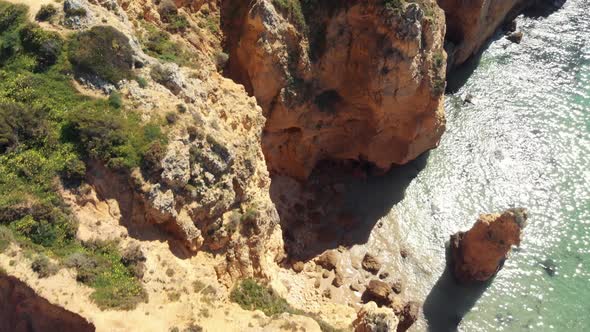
(480, 253)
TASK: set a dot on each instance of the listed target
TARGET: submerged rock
(480, 252)
(515, 37)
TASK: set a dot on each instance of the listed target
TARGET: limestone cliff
(347, 81)
(471, 23)
(480, 252)
(22, 310)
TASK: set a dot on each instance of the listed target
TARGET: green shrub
(43, 267)
(21, 126)
(171, 117)
(152, 158)
(181, 108)
(252, 296)
(134, 259)
(11, 15)
(221, 59)
(79, 11)
(42, 118)
(293, 10)
(74, 170)
(46, 13)
(46, 46)
(142, 82)
(120, 141)
(52, 229)
(103, 51)
(169, 15)
(114, 285)
(157, 43)
(160, 74)
(6, 238)
(115, 99)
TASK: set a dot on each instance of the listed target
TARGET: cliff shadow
(458, 76)
(339, 205)
(543, 8)
(448, 301)
(131, 211)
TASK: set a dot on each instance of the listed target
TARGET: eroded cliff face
(349, 81)
(480, 252)
(22, 310)
(471, 23)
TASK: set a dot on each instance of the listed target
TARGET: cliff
(471, 23)
(152, 176)
(348, 81)
(21, 310)
(480, 252)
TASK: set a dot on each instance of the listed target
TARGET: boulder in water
(480, 252)
(515, 37)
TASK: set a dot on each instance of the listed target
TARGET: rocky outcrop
(22, 310)
(471, 23)
(480, 252)
(371, 318)
(340, 80)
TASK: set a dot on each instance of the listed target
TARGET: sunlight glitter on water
(524, 142)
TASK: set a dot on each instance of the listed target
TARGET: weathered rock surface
(480, 252)
(22, 310)
(360, 81)
(471, 23)
(371, 318)
(379, 292)
(371, 263)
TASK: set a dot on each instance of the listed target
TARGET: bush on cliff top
(47, 129)
(250, 295)
(103, 51)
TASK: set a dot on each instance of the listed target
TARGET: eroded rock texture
(351, 80)
(480, 252)
(22, 310)
(471, 23)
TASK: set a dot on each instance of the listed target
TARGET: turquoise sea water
(525, 141)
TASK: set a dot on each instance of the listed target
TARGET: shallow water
(525, 141)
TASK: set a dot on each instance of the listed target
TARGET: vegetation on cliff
(250, 295)
(48, 131)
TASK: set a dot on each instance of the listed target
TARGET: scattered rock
(510, 26)
(549, 266)
(408, 315)
(371, 318)
(397, 286)
(404, 253)
(479, 253)
(515, 37)
(338, 279)
(328, 260)
(377, 291)
(356, 286)
(383, 275)
(298, 266)
(371, 264)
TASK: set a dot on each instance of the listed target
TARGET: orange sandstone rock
(480, 252)
(361, 81)
(471, 23)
